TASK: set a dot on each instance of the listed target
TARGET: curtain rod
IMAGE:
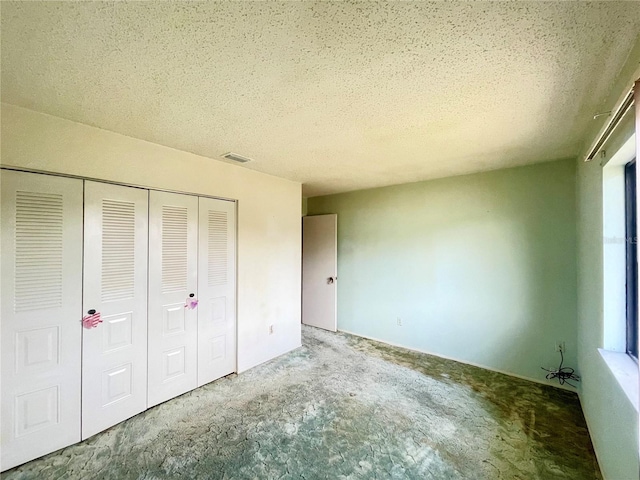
(613, 123)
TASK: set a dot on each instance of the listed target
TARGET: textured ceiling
(336, 95)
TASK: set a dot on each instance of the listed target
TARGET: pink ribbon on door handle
(191, 303)
(92, 320)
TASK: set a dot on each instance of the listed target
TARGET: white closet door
(173, 268)
(216, 290)
(114, 366)
(41, 312)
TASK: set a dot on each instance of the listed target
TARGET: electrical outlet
(399, 320)
(560, 347)
(270, 329)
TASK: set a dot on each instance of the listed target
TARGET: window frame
(631, 224)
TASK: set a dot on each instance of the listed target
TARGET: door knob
(330, 280)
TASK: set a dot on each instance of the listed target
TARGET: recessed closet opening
(115, 298)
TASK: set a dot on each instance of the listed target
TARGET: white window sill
(625, 371)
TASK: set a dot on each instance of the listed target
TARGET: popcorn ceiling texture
(337, 95)
(343, 407)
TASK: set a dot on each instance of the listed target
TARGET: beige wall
(269, 210)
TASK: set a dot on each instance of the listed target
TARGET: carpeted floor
(343, 407)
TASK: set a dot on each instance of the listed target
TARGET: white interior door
(114, 355)
(41, 310)
(319, 271)
(216, 290)
(173, 267)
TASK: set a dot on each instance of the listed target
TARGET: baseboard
(465, 362)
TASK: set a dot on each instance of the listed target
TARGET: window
(620, 269)
(631, 223)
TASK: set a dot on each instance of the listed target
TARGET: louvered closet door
(216, 290)
(114, 368)
(41, 311)
(173, 267)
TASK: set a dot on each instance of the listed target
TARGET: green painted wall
(480, 268)
(613, 421)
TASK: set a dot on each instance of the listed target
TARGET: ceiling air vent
(234, 157)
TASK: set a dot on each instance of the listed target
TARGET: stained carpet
(343, 407)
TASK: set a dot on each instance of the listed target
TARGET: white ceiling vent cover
(234, 157)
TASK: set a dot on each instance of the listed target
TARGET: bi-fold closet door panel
(173, 278)
(114, 353)
(216, 289)
(41, 265)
